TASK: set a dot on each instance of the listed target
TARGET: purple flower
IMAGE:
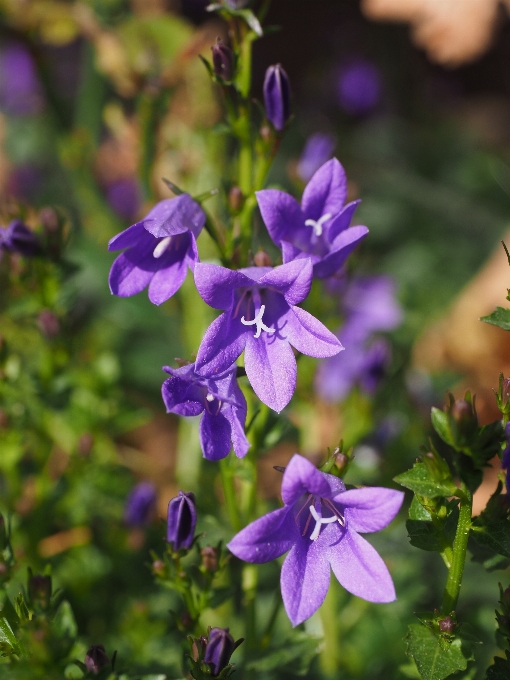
(125, 197)
(159, 250)
(319, 228)
(96, 659)
(261, 318)
(219, 649)
(220, 400)
(359, 87)
(181, 521)
(320, 525)
(277, 96)
(20, 91)
(17, 238)
(140, 504)
(370, 305)
(318, 149)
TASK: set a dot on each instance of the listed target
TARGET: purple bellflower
(220, 400)
(262, 319)
(181, 521)
(159, 250)
(140, 505)
(219, 649)
(318, 150)
(359, 87)
(20, 90)
(277, 96)
(17, 238)
(320, 525)
(319, 228)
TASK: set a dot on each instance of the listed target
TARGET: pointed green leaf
(419, 480)
(501, 318)
(441, 425)
(9, 645)
(432, 662)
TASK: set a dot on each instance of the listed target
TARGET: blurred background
(99, 100)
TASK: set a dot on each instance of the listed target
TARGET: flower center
(315, 508)
(209, 404)
(258, 321)
(317, 224)
(162, 246)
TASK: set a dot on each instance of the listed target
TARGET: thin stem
(227, 480)
(454, 580)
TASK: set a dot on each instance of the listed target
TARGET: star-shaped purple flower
(159, 250)
(320, 525)
(319, 228)
(219, 399)
(262, 319)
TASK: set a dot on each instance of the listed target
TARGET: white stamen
(209, 397)
(319, 521)
(258, 320)
(162, 246)
(317, 224)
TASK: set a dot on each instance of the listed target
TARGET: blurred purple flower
(262, 319)
(181, 521)
(319, 525)
(159, 250)
(140, 505)
(369, 304)
(25, 181)
(20, 91)
(359, 87)
(125, 197)
(17, 238)
(277, 96)
(220, 400)
(318, 228)
(318, 149)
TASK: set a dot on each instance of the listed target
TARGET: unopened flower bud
(49, 220)
(223, 60)
(262, 259)
(140, 505)
(158, 567)
(220, 647)
(198, 648)
(341, 461)
(277, 96)
(209, 558)
(181, 522)
(463, 420)
(447, 625)
(235, 199)
(266, 133)
(39, 590)
(85, 444)
(96, 659)
(48, 323)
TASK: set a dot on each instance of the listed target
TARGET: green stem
(454, 580)
(227, 480)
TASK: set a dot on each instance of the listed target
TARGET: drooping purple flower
(318, 150)
(219, 649)
(159, 250)
(319, 228)
(20, 91)
(320, 525)
(359, 87)
(220, 400)
(124, 196)
(17, 238)
(181, 521)
(277, 96)
(140, 505)
(262, 319)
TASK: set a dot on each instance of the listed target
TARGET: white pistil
(162, 246)
(258, 320)
(317, 224)
(319, 521)
(209, 397)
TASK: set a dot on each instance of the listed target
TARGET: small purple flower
(261, 318)
(319, 228)
(359, 87)
(159, 250)
(20, 91)
(370, 304)
(220, 400)
(124, 196)
(219, 649)
(320, 525)
(96, 659)
(181, 521)
(318, 150)
(277, 96)
(140, 504)
(17, 238)
(223, 60)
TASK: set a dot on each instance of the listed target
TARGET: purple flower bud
(277, 96)
(447, 625)
(209, 557)
(140, 505)
(96, 659)
(17, 238)
(182, 519)
(39, 590)
(220, 647)
(48, 323)
(223, 60)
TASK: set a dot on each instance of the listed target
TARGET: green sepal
(9, 645)
(173, 187)
(500, 669)
(433, 660)
(246, 14)
(500, 317)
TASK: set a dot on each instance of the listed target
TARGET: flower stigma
(162, 246)
(317, 224)
(258, 320)
(319, 520)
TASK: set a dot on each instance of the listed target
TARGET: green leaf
(9, 645)
(295, 655)
(493, 533)
(251, 20)
(432, 662)
(424, 535)
(500, 318)
(441, 424)
(419, 480)
(500, 669)
(418, 512)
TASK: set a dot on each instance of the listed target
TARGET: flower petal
(304, 579)
(293, 279)
(266, 538)
(215, 436)
(130, 275)
(175, 216)
(371, 508)
(301, 477)
(182, 397)
(342, 220)
(281, 214)
(221, 345)
(325, 192)
(360, 569)
(271, 369)
(309, 336)
(216, 284)
(341, 248)
(130, 237)
(167, 281)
